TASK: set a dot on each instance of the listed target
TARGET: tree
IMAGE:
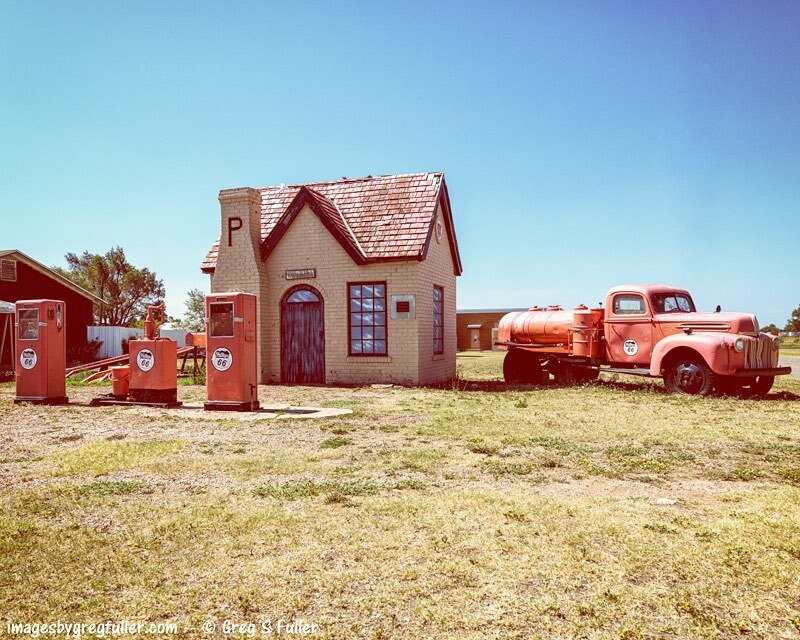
(127, 290)
(793, 324)
(194, 318)
(770, 328)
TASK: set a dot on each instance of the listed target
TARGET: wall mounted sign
(403, 307)
(300, 274)
(234, 224)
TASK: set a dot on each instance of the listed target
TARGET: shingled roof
(375, 219)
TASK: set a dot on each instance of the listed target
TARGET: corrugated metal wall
(112, 338)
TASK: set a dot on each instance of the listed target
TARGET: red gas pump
(41, 352)
(153, 363)
(231, 352)
(151, 378)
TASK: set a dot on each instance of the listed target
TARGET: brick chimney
(239, 265)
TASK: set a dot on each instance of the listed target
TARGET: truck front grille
(759, 354)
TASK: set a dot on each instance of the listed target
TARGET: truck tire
(689, 376)
(755, 387)
(521, 367)
(586, 374)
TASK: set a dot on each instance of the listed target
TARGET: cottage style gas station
(355, 279)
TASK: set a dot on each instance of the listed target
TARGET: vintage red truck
(646, 330)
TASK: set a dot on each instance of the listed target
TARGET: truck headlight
(776, 344)
(739, 345)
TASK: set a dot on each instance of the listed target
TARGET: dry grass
(473, 512)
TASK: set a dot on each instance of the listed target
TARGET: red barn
(23, 278)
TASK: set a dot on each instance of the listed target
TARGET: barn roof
(17, 255)
(376, 219)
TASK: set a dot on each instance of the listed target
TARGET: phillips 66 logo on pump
(232, 377)
(221, 359)
(42, 348)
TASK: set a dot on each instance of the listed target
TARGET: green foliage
(127, 290)
(114, 488)
(334, 443)
(194, 318)
(771, 328)
(78, 354)
(793, 324)
(294, 489)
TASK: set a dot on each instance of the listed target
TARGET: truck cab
(695, 352)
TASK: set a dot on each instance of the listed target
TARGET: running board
(629, 372)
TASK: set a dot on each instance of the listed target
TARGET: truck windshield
(672, 303)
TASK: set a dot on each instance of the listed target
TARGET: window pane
(303, 296)
(684, 304)
(28, 324)
(438, 320)
(221, 319)
(632, 304)
(367, 304)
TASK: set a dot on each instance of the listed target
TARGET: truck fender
(708, 345)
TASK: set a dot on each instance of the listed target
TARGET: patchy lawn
(610, 510)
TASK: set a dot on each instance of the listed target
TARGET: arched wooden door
(302, 336)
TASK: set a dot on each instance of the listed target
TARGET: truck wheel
(688, 376)
(754, 387)
(521, 367)
(563, 374)
(728, 386)
(759, 386)
(585, 374)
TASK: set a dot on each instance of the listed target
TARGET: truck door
(629, 329)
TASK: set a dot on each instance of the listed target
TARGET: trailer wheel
(522, 367)
(690, 376)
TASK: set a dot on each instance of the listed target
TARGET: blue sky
(585, 144)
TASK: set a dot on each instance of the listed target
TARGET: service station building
(355, 279)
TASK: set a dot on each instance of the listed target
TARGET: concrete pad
(196, 412)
